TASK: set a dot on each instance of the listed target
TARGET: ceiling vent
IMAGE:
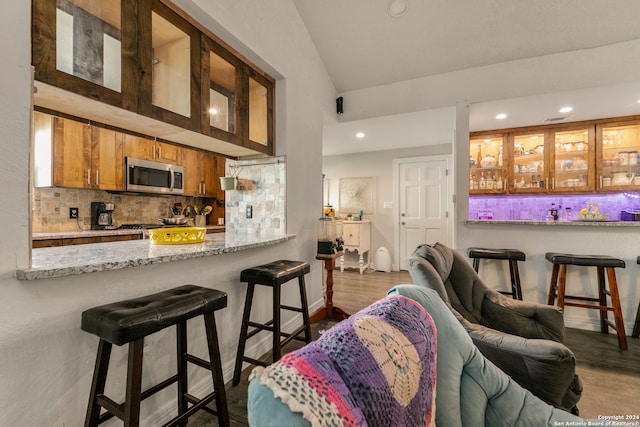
(556, 119)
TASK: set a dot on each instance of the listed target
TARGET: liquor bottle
(479, 156)
(483, 182)
(498, 185)
(554, 212)
(472, 178)
(490, 182)
(500, 157)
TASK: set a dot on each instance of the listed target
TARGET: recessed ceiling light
(397, 8)
(566, 109)
(501, 116)
(360, 135)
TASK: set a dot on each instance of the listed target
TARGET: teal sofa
(469, 390)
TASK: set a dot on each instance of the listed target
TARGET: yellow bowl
(177, 235)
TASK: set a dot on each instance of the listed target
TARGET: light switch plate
(249, 212)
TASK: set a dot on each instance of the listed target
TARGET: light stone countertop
(100, 233)
(558, 223)
(78, 259)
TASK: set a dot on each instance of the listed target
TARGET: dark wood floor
(610, 377)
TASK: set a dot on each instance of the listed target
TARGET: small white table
(357, 238)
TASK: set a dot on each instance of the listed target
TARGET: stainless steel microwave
(144, 176)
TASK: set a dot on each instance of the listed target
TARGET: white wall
(379, 165)
(46, 361)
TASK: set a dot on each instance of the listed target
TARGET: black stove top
(139, 226)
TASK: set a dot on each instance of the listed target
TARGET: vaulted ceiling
(362, 46)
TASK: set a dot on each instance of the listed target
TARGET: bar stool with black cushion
(511, 255)
(273, 274)
(604, 264)
(129, 322)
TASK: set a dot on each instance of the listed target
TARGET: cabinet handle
(153, 152)
(89, 176)
(600, 182)
(159, 153)
(553, 183)
(204, 188)
(97, 177)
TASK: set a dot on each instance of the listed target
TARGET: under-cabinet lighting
(501, 116)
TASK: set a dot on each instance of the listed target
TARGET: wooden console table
(328, 311)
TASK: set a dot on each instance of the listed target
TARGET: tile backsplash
(51, 208)
(534, 208)
(261, 185)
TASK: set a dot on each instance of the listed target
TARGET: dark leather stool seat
(604, 264)
(273, 274)
(511, 255)
(129, 322)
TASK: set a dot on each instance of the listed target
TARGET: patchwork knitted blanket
(377, 368)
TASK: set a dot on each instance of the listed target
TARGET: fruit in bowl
(592, 213)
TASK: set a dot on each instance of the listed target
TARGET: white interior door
(424, 204)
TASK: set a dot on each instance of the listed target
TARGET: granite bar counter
(79, 259)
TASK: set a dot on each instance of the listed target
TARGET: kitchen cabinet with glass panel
(150, 58)
(487, 172)
(618, 151)
(529, 159)
(572, 159)
(222, 85)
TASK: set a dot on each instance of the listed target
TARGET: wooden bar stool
(129, 322)
(603, 263)
(511, 255)
(274, 274)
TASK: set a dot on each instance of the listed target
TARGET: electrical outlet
(249, 212)
(73, 213)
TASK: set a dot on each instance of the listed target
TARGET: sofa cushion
(439, 256)
(375, 368)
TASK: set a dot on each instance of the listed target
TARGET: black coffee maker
(102, 215)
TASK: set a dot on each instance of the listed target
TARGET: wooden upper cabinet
(200, 174)
(71, 154)
(192, 181)
(148, 149)
(85, 46)
(572, 159)
(151, 58)
(170, 59)
(107, 163)
(86, 156)
(221, 86)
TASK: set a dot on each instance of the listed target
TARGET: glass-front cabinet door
(88, 41)
(618, 151)
(529, 155)
(77, 45)
(572, 159)
(487, 171)
(220, 91)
